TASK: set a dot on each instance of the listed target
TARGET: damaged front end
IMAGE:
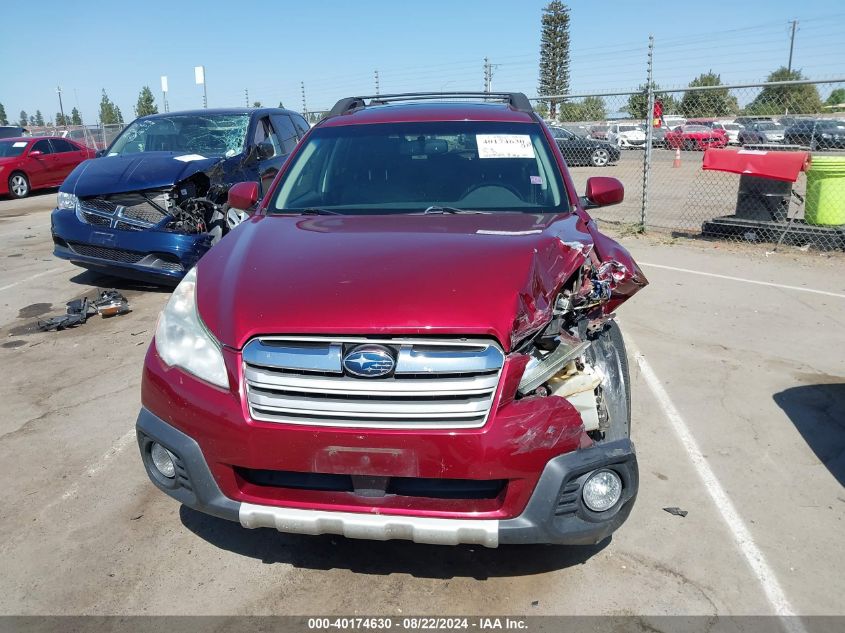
(578, 354)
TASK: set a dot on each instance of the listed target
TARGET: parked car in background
(156, 201)
(578, 150)
(730, 128)
(599, 132)
(761, 132)
(28, 163)
(695, 137)
(626, 135)
(816, 134)
(339, 365)
(12, 131)
(750, 120)
(671, 121)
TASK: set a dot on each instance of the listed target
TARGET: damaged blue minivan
(148, 207)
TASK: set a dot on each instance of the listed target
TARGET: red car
(693, 137)
(37, 163)
(411, 337)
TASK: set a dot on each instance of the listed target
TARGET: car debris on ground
(676, 511)
(107, 303)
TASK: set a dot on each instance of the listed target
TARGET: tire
(18, 185)
(608, 354)
(689, 145)
(600, 157)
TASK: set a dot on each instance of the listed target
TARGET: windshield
(629, 128)
(12, 148)
(696, 128)
(202, 134)
(411, 167)
(769, 126)
(730, 126)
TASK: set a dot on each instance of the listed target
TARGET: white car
(626, 135)
(730, 128)
(672, 121)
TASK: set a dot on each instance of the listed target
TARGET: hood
(490, 275)
(133, 172)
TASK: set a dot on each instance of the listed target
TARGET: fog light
(163, 460)
(602, 490)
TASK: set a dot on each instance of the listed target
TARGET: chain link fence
(94, 136)
(736, 198)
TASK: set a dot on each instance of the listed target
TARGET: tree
(108, 111)
(3, 119)
(119, 114)
(835, 102)
(554, 52)
(22, 121)
(590, 109)
(32, 119)
(75, 117)
(638, 102)
(801, 99)
(146, 102)
(703, 103)
(60, 119)
(39, 118)
(256, 104)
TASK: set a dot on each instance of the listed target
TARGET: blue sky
(334, 47)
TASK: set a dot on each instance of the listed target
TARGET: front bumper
(554, 513)
(150, 255)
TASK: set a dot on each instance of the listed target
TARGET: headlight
(66, 200)
(182, 339)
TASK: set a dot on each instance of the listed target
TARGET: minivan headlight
(182, 339)
(66, 200)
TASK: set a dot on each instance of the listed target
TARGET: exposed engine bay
(189, 207)
(573, 358)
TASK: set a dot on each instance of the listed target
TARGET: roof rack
(516, 100)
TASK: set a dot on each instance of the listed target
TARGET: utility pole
(791, 44)
(487, 75)
(376, 75)
(199, 77)
(164, 92)
(304, 107)
(649, 135)
(246, 96)
(61, 108)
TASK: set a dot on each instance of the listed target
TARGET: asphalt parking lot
(739, 419)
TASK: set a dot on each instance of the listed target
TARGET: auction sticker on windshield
(504, 146)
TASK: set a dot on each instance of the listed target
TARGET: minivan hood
(492, 275)
(134, 172)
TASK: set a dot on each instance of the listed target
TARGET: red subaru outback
(411, 337)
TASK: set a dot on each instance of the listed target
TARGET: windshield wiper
(438, 209)
(316, 211)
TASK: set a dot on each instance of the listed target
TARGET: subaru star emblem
(369, 361)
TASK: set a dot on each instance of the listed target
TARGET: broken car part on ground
(107, 303)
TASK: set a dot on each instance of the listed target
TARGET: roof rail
(516, 100)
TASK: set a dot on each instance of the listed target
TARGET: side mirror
(262, 151)
(603, 191)
(36, 153)
(243, 195)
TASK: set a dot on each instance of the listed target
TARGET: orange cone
(677, 161)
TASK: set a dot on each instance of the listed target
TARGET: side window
(60, 146)
(264, 132)
(300, 124)
(287, 133)
(42, 146)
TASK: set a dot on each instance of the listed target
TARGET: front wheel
(18, 185)
(600, 157)
(607, 353)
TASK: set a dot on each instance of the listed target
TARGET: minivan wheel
(607, 353)
(600, 157)
(18, 185)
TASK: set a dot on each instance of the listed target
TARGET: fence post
(649, 134)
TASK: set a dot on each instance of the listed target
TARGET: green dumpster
(825, 204)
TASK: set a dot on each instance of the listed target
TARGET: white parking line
(747, 281)
(742, 536)
(95, 468)
(31, 277)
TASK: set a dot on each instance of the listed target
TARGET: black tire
(608, 354)
(18, 185)
(689, 145)
(600, 157)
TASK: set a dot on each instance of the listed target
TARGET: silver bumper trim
(379, 527)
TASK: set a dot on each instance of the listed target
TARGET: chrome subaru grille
(436, 384)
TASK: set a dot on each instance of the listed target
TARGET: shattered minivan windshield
(212, 134)
(455, 166)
